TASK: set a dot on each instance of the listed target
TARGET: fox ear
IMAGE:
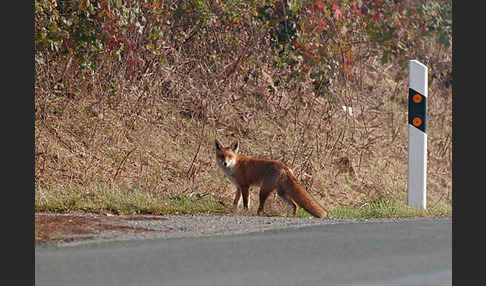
(235, 147)
(217, 145)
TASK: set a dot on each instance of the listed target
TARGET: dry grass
(99, 131)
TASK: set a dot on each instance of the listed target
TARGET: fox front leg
(237, 199)
(246, 195)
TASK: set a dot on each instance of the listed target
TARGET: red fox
(269, 175)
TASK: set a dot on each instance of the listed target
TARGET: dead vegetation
(154, 132)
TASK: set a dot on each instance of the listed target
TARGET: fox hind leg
(289, 200)
(264, 194)
(269, 185)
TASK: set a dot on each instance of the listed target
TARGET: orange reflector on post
(417, 121)
(417, 98)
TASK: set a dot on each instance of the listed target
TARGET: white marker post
(417, 136)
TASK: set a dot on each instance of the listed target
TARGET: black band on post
(417, 110)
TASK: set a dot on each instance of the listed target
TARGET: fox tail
(299, 195)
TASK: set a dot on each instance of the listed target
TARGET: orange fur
(270, 175)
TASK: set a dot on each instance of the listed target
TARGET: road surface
(381, 252)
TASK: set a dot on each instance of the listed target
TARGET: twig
(197, 152)
(306, 126)
(122, 162)
(438, 201)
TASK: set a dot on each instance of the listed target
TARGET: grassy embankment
(109, 142)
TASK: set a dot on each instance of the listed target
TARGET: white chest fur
(228, 171)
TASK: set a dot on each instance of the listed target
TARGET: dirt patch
(58, 227)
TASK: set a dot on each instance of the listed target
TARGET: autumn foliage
(123, 88)
(315, 39)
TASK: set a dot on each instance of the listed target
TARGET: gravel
(179, 226)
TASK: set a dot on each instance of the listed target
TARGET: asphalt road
(409, 252)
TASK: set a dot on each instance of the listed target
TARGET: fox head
(226, 156)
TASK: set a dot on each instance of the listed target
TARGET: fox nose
(225, 164)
